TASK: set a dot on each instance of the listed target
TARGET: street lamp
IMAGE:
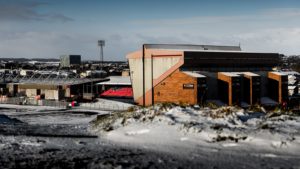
(101, 43)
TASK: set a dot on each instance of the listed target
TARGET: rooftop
(290, 72)
(121, 92)
(279, 73)
(66, 81)
(231, 74)
(190, 47)
(117, 80)
(194, 74)
(250, 74)
(47, 79)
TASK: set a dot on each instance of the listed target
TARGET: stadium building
(193, 74)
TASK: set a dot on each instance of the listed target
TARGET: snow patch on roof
(194, 74)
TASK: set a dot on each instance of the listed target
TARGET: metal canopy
(47, 78)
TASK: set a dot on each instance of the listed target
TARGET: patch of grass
(267, 126)
(255, 108)
(131, 109)
(104, 122)
(222, 112)
(183, 105)
(277, 109)
(212, 105)
(190, 124)
(220, 138)
(165, 106)
(217, 127)
(273, 114)
(296, 112)
(107, 122)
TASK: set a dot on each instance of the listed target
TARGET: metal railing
(32, 102)
(104, 107)
(62, 104)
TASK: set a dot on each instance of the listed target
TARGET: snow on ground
(82, 114)
(164, 136)
(183, 129)
(49, 115)
(29, 107)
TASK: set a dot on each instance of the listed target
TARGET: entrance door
(38, 91)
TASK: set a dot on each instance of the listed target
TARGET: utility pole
(101, 43)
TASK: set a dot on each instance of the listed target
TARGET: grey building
(68, 60)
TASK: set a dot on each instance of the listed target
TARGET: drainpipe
(144, 101)
(152, 80)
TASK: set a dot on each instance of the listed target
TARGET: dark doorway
(38, 91)
(223, 91)
(246, 90)
(273, 90)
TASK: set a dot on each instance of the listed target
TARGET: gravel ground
(36, 152)
(43, 152)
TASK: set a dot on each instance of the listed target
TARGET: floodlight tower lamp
(101, 43)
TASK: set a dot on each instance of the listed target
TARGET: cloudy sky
(49, 28)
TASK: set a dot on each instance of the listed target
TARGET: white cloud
(265, 15)
(27, 11)
(270, 30)
(283, 40)
(282, 12)
(266, 31)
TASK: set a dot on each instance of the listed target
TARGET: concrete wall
(67, 92)
(157, 64)
(51, 94)
(282, 86)
(136, 75)
(22, 91)
(10, 88)
(68, 60)
(30, 92)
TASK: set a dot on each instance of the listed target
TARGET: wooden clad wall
(176, 88)
(282, 90)
(253, 88)
(233, 85)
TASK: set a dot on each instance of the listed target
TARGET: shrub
(212, 105)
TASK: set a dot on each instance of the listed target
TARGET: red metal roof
(120, 92)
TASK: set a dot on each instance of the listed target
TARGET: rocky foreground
(157, 137)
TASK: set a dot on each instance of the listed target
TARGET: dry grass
(222, 112)
(165, 106)
(212, 105)
(255, 108)
(230, 138)
(107, 122)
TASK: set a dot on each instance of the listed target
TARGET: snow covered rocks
(174, 125)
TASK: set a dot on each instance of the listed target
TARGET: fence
(33, 102)
(62, 104)
(103, 106)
